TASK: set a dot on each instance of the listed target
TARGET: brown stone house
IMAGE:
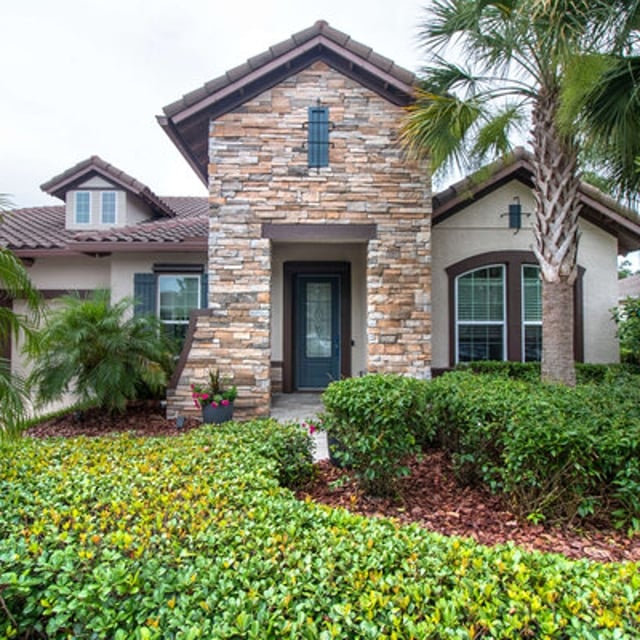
(317, 255)
(319, 251)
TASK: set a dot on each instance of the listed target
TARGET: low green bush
(530, 371)
(504, 368)
(289, 446)
(191, 537)
(559, 453)
(378, 421)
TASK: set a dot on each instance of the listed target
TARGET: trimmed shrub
(559, 453)
(530, 371)
(504, 368)
(289, 446)
(191, 537)
(378, 421)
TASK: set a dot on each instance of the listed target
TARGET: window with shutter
(170, 296)
(318, 137)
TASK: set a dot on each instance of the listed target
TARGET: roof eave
(195, 245)
(169, 128)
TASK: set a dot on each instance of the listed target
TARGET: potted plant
(215, 400)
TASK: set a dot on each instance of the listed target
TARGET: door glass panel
(318, 320)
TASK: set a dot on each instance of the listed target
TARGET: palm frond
(437, 126)
(494, 137)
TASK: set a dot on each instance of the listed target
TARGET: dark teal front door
(317, 341)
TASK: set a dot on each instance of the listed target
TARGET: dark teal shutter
(204, 290)
(144, 292)
(318, 137)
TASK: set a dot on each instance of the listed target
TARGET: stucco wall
(480, 228)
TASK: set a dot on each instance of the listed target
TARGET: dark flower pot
(217, 415)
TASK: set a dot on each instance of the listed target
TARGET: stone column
(240, 305)
(399, 297)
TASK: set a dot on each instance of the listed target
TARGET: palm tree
(517, 53)
(100, 352)
(601, 99)
(14, 284)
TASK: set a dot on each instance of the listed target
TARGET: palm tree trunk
(556, 235)
(557, 333)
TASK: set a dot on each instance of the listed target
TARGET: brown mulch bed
(144, 418)
(430, 496)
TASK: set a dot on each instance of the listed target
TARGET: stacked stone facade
(258, 175)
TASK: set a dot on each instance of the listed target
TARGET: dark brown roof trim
(105, 248)
(186, 121)
(96, 166)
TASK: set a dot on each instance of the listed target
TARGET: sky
(85, 77)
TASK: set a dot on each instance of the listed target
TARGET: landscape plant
(627, 319)
(192, 537)
(559, 454)
(15, 285)
(99, 351)
(377, 420)
(496, 68)
(213, 393)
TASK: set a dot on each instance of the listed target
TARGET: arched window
(495, 308)
(480, 314)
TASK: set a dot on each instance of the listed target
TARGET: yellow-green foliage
(192, 537)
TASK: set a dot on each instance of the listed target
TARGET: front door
(316, 330)
(316, 324)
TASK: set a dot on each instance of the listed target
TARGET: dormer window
(108, 207)
(82, 208)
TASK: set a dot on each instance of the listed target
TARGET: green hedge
(585, 372)
(560, 453)
(192, 537)
(378, 421)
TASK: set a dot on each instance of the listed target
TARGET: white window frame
(102, 207)
(525, 322)
(504, 321)
(76, 196)
(198, 276)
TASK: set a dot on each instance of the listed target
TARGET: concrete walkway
(301, 407)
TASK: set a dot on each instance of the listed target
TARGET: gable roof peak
(95, 166)
(186, 121)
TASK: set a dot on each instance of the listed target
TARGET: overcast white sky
(83, 77)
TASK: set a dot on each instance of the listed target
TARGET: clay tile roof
(34, 228)
(186, 120)
(157, 231)
(41, 230)
(96, 166)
